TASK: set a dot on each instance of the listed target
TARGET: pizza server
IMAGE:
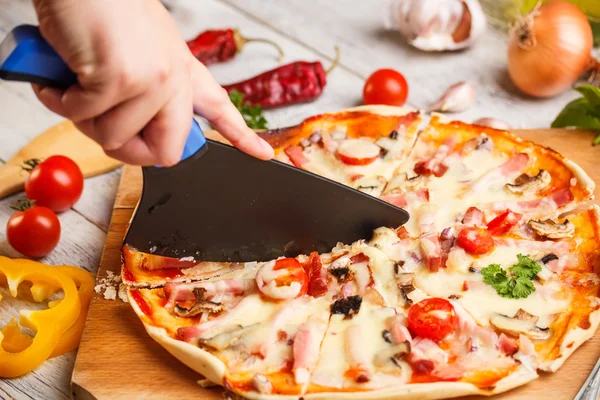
(218, 203)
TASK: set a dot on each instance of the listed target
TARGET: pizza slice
(456, 166)
(359, 147)
(541, 293)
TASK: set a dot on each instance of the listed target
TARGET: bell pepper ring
(49, 324)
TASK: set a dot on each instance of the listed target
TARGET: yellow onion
(549, 49)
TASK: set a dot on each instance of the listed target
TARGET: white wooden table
(307, 30)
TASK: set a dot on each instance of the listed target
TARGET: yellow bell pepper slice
(49, 324)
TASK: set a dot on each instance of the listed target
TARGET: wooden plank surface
(114, 339)
(307, 30)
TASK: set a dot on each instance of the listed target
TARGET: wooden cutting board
(118, 360)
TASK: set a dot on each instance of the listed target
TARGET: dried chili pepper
(297, 82)
(221, 45)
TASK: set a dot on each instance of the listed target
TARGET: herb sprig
(253, 115)
(583, 113)
(516, 283)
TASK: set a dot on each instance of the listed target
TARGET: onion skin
(547, 57)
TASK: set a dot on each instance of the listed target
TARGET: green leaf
(525, 267)
(523, 287)
(505, 288)
(493, 274)
(253, 115)
(592, 95)
(577, 114)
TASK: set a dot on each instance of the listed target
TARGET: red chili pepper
(215, 46)
(297, 82)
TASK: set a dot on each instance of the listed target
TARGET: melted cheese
(334, 360)
(482, 301)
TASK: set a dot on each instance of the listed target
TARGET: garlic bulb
(456, 98)
(436, 25)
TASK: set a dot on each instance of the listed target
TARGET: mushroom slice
(552, 229)
(405, 284)
(229, 338)
(391, 353)
(401, 183)
(198, 308)
(522, 322)
(372, 185)
(530, 184)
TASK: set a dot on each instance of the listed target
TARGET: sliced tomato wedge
(282, 279)
(358, 151)
(475, 240)
(503, 222)
(432, 318)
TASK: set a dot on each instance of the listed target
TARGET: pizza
(491, 281)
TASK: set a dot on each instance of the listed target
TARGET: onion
(549, 49)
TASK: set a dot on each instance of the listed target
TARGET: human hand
(138, 83)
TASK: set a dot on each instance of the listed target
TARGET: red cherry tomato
(56, 183)
(503, 222)
(33, 232)
(475, 240)
(385, 86)
(432, 318)
(283, 279)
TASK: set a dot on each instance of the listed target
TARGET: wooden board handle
(61, 139)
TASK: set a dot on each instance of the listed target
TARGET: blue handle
(26, 56)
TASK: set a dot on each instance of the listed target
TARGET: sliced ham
(306, 348)
(278, 322)
(549, 246)
(436, 165)
(474, 216)
(507, 345)
(543, 206)
(296, 155)
(399, 330)
(467, 327)
(176, 292)
(500, 175)
(432, 251)
(204, 330)
(403, 200)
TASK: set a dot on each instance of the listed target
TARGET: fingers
(115, 127)
(167, 133)
(212, 102)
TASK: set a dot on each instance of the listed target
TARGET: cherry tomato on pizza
(475, 240)
(385, 86)
(34, 231)
(282, 279)
(432, 318)
(56, 183)
(503, 222)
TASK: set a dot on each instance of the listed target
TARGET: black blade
(223, 205)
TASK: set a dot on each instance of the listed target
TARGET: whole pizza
(491, 281)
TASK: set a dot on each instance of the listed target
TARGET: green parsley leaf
(253, 115)
(526, 267)
(493, 274)
(523, 287)
(518, 284)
